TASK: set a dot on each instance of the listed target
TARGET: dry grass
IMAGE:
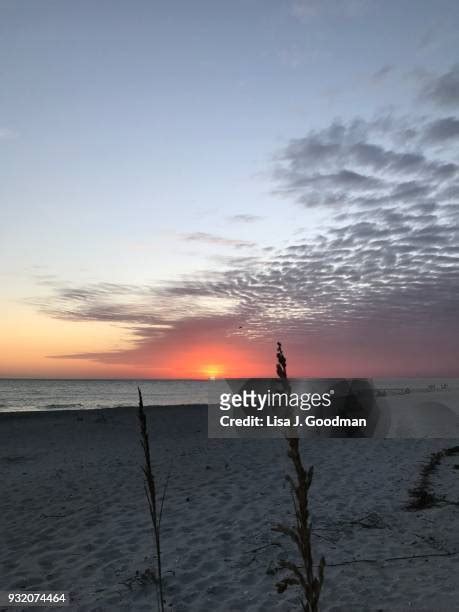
(422, 496)
(301, 574)
(155, 505)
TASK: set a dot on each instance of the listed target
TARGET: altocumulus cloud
(369, 163)
(379, 279)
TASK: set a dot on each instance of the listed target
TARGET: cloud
(217, 240)
(442, 89)
(245, 218)
(375, 288)
(382, 74)
(442, 129)
(368, 163)
(388, 279)
(138, 306)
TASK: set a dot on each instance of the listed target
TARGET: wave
(59, 406)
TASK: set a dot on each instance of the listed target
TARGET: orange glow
(28, 340)
(214, 361)
(213, 371)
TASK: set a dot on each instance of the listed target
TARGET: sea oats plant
(156, 509)
(300, 574)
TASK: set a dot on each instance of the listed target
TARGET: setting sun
(212, 371)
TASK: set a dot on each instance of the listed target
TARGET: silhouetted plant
(422, 496)
(299, 575)
(156, 510)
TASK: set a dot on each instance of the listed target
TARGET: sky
(182, 184)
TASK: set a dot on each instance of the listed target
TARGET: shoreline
(103, 409)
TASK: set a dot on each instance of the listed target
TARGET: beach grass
(422, 495)
(155, 504)
(302, 573)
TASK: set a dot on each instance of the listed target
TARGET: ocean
(18, 395)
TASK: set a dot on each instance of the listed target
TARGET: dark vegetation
(155, 503)
(422, 495)
(300, 573)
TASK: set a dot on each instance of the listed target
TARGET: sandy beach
(74, 516)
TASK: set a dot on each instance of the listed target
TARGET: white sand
(74, 516)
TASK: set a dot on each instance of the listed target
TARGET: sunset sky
(182, 184)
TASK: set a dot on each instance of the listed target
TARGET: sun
(212, 371)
